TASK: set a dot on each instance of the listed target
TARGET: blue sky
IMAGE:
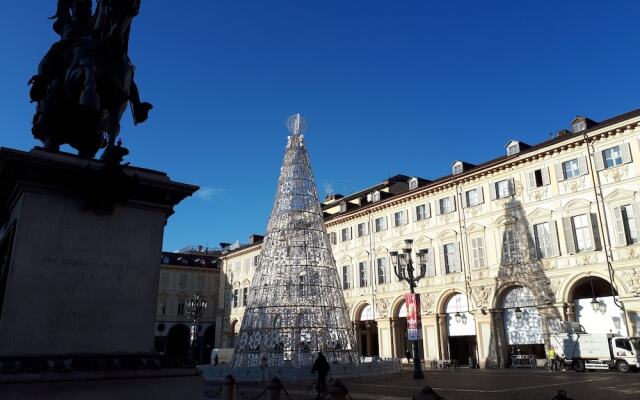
(387, 87)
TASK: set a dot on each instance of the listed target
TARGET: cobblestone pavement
(452, 385)
(489, 384)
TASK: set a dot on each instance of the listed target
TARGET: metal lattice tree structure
(295, 305)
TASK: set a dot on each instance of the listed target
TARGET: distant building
(182, 274)
(513, 248)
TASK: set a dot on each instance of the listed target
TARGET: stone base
(80, 244)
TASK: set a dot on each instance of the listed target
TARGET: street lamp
(518, 312)
(195, 307)
(403, 268)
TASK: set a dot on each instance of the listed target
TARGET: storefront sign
(414, 324)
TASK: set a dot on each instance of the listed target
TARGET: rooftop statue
(86, 79)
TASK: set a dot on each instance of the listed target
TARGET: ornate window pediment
(539, 214)
(447, 234)
(422, 242)
(362, 255)
(505, 220)
(620, 194)
(345, 259)
(577, 206)
(381, 250)
(475, 228)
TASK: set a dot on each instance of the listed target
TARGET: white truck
(583, 351)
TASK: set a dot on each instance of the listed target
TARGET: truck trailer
(583, 351)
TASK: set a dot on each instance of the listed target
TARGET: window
(235, 298)
(427, 260)
(345, 234)
(457, 168)
(346, 277)
(182, 282)
(513, 149)
(362, 272)
(255, 261)
(165, 260)
(399, 218)
(380, 224)
(383, 270)
(375, 196)
(363, 229)
(245, 297)
(181, 307)
(301, 284)
(612, 157)
(163, 306)
(626, 224)
(510, 251)
(571, 169)
(477, 251)
(446, 205)
(503, 189)
(582, 232)
(538, 178)
(413, 183)
(542, 236)
(450, 258)
(333, 238)
(421, 212)
(473, 197)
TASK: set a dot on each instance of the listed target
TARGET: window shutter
(453, 202)
(480, 195)
(568, 235)
(619, 226)
(465, 204)
(443, 265)
(599, 160)
(427, 210)
(626, 153)
(492, 191)
(559, 173)
(414, 213)
(545, 176)
(636, 215)
(512, 187)
(431, 261)
(595, 232)
(458, 257)
(438, 209)
(531, 177)
(553, 232)
(582, 163)
(531, 243)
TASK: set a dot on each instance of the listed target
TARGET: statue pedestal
(80, 247)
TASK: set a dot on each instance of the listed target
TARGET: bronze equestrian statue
(85, 80)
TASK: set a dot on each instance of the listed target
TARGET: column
(443, 336)
(499, 341)
(484, 336)
(385, 337)
(430, 336)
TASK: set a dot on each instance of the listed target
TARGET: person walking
(321, 367)
(553, 360)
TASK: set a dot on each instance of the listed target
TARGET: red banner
(414, 324)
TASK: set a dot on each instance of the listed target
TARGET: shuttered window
(346, 234)
(450, 258)
(422, 212)
(581, 232)
(383, 270)
(510, 250)
(363, 229)
(363, 273)
(627, 224)
(380, 224)
(613, 157)
(446, 205)
(544, 244)
(571, 169)
(477, 247)
(346, 277)
(538, 178)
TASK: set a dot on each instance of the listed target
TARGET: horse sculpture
(86, 79)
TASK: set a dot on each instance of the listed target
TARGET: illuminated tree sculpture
(295, 305)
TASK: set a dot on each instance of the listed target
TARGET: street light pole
(404, 270)
(195, 307)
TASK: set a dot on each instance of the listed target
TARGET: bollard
(427, 394)
(275, 387)
(229, 388)
(338, 391)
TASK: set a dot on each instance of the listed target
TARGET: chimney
(580, 124)
(253, 239)
(224, 245)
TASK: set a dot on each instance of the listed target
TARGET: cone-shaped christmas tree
(295, 305)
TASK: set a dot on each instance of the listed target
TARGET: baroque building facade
(514, 248)
(182, 275)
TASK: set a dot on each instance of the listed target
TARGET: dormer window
(413, 183)
(513, 149)
(375, 196)
(165, 260)
(343, 206)
(457, 168)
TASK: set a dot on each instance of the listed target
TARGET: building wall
(178, 284)
(552, 278)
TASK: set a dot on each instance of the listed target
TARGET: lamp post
(404, 270)
(195, 307)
